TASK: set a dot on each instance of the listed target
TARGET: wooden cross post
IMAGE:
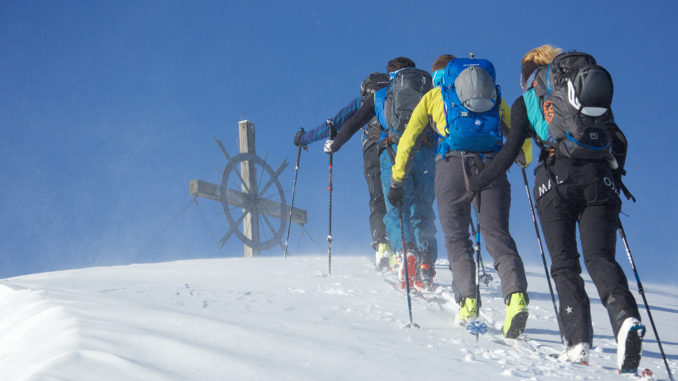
(248, 198)
(248, 170)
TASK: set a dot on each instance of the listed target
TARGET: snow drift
(285, 319)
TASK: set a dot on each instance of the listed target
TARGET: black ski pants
(454, 208)
(371, 167)
(570, 193)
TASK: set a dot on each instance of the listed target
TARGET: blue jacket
(322, 131)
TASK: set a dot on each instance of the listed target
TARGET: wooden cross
(247, 197)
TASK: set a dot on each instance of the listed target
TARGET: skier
(452, 168)
(384, 256)
(572, 190)
(418, 215)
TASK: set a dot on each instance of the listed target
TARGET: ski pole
(404, 262)
(294, 188)
(391, 154)
(487, 278)
(476, 248)
(332, 133)
(642, 293)
(541, 248)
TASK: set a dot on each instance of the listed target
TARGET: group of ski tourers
(449, 136)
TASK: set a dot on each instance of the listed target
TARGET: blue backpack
(472, 101)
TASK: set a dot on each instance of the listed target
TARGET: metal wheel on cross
(253, 201)
(251, 197)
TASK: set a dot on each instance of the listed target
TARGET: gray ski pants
(454, 208)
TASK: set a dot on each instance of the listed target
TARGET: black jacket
(362, 117)
(521, 130)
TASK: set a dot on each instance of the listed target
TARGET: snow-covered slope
(284, 319)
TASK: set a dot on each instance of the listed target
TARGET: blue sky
(109, 109)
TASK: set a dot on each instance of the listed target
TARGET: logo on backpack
(572, 96)
(403, 94)
(472, 101)
(547, 110)
(576, 106)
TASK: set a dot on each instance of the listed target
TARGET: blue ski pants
(418, 215)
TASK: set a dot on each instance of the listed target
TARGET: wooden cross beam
(243, 198)
(210, 191)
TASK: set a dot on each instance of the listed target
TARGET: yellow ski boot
(516, 315)
(383, 256)
(467, 311)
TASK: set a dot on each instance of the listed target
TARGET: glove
(328, 146)
(396, 195)
(521, 160)
(298, 137)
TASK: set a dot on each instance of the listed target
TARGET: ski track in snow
(286, 319)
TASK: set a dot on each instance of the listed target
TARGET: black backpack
(373, 82)
(404, 92)
(575, 95)
(370, 85)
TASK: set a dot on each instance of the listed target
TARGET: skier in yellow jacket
(454, 169)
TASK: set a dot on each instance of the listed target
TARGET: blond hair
(536, 57)
(542, 55)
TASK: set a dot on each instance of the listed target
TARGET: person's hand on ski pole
(396, 194)
(328, 146)
(298, 137)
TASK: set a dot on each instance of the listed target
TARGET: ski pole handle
(332, 130)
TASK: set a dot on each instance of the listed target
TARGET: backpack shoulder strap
(548, 81)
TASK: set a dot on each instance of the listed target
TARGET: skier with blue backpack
(565, 108)
(467, 111)
(392, 106)
(371, 167)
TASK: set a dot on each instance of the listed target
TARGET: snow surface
(286, 319)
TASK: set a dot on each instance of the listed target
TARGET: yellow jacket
(431, 109)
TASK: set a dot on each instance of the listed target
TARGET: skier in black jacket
(570, 192)
(370, 140)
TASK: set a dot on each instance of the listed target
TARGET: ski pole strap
(625, 190)
(477, 164)
(547, 155)
(391, 152)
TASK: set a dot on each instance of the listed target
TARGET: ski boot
(393, 260)
(578, 354)
(411, 268)
(467, 311)
(629, 345)
(383, 256)
(426, 272)
(516, 315)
